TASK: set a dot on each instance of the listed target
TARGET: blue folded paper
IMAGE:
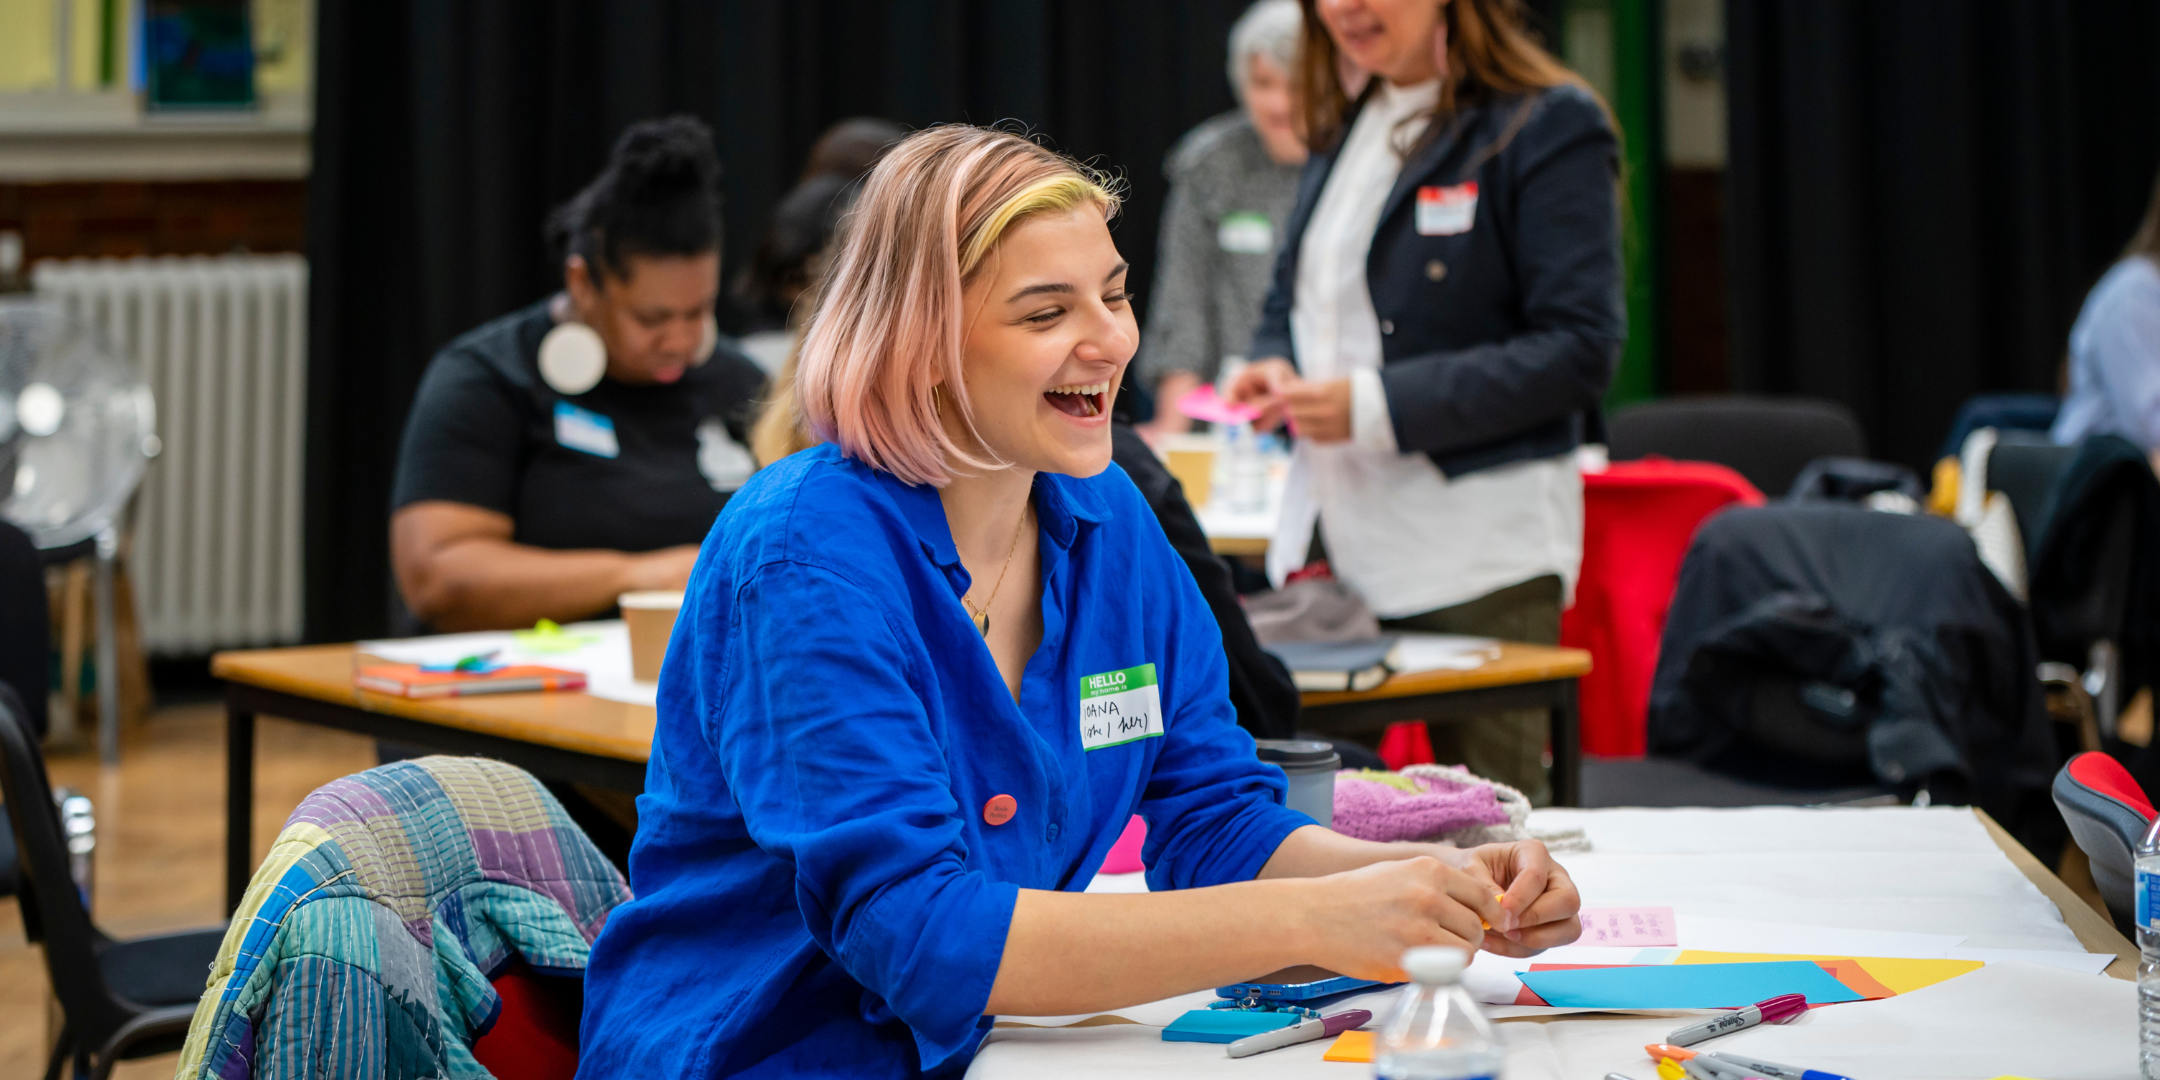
(1686, 986)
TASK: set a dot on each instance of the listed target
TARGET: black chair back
(52, 910)
(2025, 471)
(25, 625)
(1768, 440)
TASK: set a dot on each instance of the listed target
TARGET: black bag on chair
(1812, 644)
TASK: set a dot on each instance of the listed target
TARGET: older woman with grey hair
(1232, 180)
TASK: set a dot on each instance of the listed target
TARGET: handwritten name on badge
(1446, 211)
(1117, 707)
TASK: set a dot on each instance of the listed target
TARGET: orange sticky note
(1351, 1046)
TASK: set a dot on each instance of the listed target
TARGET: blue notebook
(1686, 986)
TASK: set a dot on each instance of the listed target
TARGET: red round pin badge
(1000, 809)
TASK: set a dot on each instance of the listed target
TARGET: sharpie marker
(1305, 1030)
(1771, 1010)
(1770, 1069)
(1685, 1058)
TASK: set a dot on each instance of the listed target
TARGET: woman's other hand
(1260, 385)
(1318, 411)
(1360, 922)
(1539, 902)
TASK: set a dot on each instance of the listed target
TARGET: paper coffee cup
(651, 619)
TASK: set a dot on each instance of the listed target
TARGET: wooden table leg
(239, 803)
(1566, 746)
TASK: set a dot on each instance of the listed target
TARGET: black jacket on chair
(1498, 342)
(1818, 644)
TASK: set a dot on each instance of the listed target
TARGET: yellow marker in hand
(1498, 898)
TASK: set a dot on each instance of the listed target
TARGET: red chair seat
(535, 1035)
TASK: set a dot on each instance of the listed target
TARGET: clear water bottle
(1437, 1032)
(2148, 936)
(1245, 470)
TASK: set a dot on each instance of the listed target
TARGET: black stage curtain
(446, 129)
(1922, 192)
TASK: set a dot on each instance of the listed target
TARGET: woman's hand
(1319, 412)
(1260, 385)
(1360, 922)
(1539, 901)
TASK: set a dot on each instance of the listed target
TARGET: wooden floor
(161, 843)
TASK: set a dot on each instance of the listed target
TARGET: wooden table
(576, 737)
(562, 736)
(1524, 677)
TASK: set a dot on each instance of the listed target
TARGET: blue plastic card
(1225, 1025)
(1686, 986)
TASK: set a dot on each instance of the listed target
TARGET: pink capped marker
(1768, 1011)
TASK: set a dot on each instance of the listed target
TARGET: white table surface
(1930, 871)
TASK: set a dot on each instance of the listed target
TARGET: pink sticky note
(1626, 927)
(1201, 403)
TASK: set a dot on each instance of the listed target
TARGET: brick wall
(122, 218)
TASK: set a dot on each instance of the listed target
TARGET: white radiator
(222, 342)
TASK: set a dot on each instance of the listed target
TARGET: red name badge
(1446, 211)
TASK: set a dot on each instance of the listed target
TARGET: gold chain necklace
(982, 614)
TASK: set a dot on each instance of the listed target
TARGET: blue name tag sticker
(585, 431)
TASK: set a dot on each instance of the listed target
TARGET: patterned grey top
(1216, 256)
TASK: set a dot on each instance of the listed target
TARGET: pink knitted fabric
(1374, 811)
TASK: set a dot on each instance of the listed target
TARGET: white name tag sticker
(1446, 211)
(1245, 233)
(1118, 707)
(585, 431)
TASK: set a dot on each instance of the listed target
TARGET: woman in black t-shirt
(580, 448)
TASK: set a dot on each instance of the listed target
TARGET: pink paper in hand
(1201, 404)
(1628, 927)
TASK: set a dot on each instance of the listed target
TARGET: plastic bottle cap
(1435, 965)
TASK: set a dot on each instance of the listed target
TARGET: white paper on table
(2087, 963)
(1444, 652)
(2004, 1019)
(605, 661)
(1746, 935)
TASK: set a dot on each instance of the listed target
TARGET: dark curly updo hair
(659, 195)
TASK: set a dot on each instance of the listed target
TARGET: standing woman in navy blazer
(1445, 317)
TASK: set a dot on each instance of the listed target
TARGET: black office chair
(25, 652)
(2024, 466)
(2093, 576)
(120, 1000)
(1768, 440)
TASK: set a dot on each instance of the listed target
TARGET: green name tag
(1118, 707)
(1243, 232)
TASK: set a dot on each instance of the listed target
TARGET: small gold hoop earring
(937, 401)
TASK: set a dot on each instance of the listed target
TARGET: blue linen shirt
(817, 889)
(2115, 360)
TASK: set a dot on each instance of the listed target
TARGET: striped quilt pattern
(365, 942)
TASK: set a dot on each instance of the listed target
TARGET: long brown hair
(1490, 53)
(2146, 241)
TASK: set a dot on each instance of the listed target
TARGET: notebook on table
(1339, 665)
(415, 681)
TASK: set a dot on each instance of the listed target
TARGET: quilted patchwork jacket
(365, 943)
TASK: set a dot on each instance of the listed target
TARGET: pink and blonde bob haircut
(884, 342)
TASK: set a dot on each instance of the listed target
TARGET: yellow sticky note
(1900, 975)
(1351, 1046)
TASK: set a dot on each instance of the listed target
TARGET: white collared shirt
(1404, 537)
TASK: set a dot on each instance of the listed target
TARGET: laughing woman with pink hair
(926, 672)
